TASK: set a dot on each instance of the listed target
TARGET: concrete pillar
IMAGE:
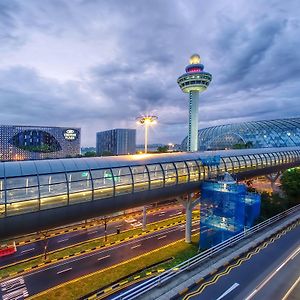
(188, 220)
(272, 178)
(144, 217)
(193, 121)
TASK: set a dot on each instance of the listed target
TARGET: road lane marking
(161, 237)
(69, 261)
(27, 250)
(61, 241)
(63, 271)
(100, 258)
(14, 289)
(136, 246)
(268, 278)
(291, 289)
(234, 286)
(93, 232)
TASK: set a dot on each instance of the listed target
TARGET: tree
(90, 154)
(290, 184)
(162, 149)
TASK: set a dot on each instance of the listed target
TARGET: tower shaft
(193, 121)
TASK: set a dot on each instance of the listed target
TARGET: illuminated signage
(71, 134)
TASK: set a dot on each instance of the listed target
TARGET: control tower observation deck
(194, 81)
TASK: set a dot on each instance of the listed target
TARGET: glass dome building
(254, 134)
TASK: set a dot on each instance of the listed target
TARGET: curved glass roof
(48, 166)
(257, 134)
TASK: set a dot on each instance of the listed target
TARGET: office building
(116, 142)
(38, 142)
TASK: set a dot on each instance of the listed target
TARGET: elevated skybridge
(40, 194)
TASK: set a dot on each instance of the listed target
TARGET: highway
(267, 272)
(72, 238)
(45, 278)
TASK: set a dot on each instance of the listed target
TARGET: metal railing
(200, 258)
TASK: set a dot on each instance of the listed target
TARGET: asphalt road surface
(267, 274)
(71, 238)
(43, 279)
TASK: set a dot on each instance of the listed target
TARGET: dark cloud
(98, 64)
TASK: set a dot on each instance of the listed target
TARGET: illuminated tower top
(195, 79)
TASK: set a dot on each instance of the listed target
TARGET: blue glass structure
(226, 209)
(255, 134)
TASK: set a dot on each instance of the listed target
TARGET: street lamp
(146, 121)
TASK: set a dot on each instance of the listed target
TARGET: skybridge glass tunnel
(39, 194)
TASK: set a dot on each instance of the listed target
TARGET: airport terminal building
(38, 142)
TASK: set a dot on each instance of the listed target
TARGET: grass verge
(76, 249)
(82, 286)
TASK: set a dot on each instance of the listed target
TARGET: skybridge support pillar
(273, 178)
(188, 204)
(144, 217)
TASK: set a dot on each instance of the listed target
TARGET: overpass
(40, 194)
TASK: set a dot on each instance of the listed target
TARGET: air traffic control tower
(194, 81)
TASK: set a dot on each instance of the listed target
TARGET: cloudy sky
(97, 64)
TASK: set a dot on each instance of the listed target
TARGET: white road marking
(100, 258)
(268, 278)
(92, 232)
(136, 246)
(27, 250)
(61, 241)
(75, 259)
(63, 271)
(234, 286)
(14, 289)
(161, 237)
(291, 289)
(176, 214)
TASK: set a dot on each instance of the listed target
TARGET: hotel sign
(71, 134)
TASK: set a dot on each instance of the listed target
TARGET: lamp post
(146, 121)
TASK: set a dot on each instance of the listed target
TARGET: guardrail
(199, 258)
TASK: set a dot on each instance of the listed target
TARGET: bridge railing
(200, 258)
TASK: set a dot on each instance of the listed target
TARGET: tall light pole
(146, 121)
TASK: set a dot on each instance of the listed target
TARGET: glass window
(22, 200)
(80, 187)
(53, 190)
(123, 180)
(193, 170)
(156, 176)
(241, 162)
(103, 183)
(52, 178)
(228, 164)
(202, 170)
(19, 182)
(140, 178)
(53, 195)
(170, 174)
(182, 171)
(259, 160)
(2, 198)
(253, 161)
